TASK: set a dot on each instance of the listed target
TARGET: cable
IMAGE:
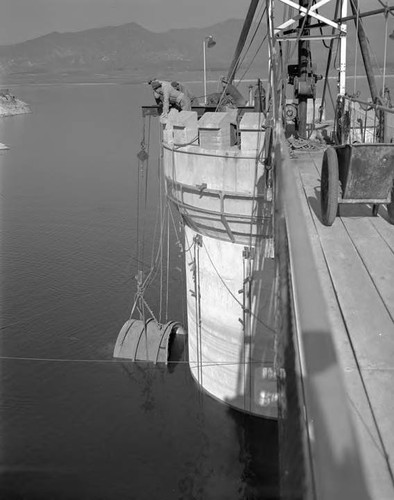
(250, 44)
(385, 6)
(232, 295)
(123, 361)
(241, 59)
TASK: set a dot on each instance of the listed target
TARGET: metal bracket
(201, 188)
(198, 240)
(249, 253)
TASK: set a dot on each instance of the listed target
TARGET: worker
(230, 90)
(259, 96)
(169, 96)
(182, 88)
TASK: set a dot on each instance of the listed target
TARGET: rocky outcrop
(10, 105)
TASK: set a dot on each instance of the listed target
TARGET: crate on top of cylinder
(215, 130)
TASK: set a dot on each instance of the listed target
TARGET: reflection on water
(74, 423)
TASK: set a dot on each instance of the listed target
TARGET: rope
(385, 52)
(326, 78)
(116, 361)
(168, 265)
(233, 296)
(355, 52)
(244, 325)
(240, 60)
(196, 279)
(304, 144)
(157, 256)
(369, 45)
(161, 262)
(250, 44)
(253, 58)
(182, 145)
(385, 6)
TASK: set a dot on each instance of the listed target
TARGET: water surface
(74, 423)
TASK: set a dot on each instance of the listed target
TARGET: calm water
(74, 423)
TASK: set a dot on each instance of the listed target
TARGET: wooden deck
(355, 260)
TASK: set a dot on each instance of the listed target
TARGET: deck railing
(319, 453)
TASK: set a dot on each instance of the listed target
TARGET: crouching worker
(170, 97)
(230, 90)
(185, 90)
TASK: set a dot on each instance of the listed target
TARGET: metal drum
(149, 341)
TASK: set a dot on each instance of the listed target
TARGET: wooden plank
(377, 256)
(373, 454)
(384, 228)
(306, 183)
(366, 317)
(380, 388)
(376, 470)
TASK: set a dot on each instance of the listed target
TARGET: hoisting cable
(244, 326)
(355, 51)
(161, 254)
(386, 15)
(385, 6)
(326, 82)
(253, 58)
(143, 157)
(143, 283)
(364, 43)
(231, 293)
(239, 61)
(197, 241)
(242, 39)
(168, 265)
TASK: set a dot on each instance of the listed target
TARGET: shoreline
(142, 81)
(11, 105)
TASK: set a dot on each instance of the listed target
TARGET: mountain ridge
(127, 48)
(129, 52)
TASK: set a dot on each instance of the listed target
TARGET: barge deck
(355, 262)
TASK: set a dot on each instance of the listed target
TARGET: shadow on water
(258, 454)
(74, 424)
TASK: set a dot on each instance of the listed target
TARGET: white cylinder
(231, 351)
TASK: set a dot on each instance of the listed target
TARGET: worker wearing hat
(168, 95)
(230, 90)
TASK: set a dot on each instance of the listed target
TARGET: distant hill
(128, 49)
(132, 53)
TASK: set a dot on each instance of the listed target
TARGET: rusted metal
(366, 172)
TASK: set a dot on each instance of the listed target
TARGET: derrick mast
(304, 86)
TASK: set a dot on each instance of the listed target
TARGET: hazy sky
(24, 19)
